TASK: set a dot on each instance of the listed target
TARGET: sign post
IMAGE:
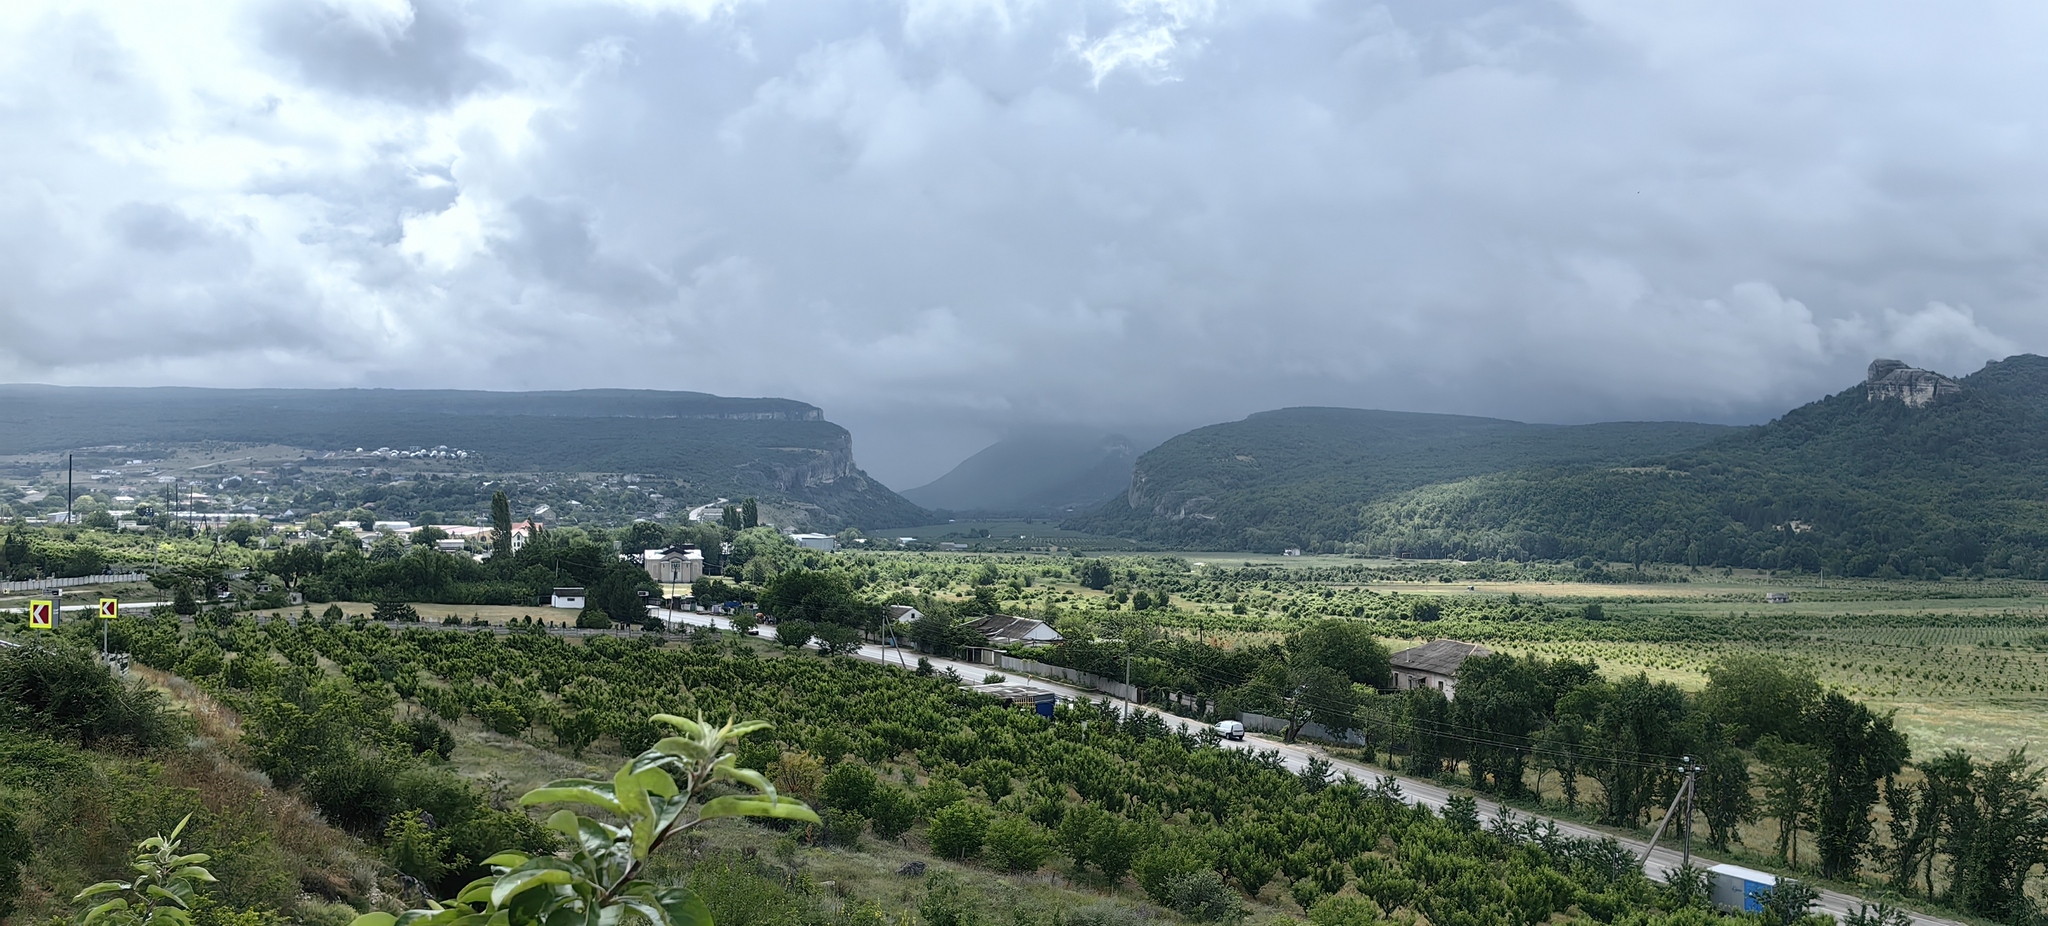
(110, 608)
(41, 615)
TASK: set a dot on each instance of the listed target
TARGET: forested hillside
(1910, 474)
(1860, 483)
(1297, 476)
(775, 448)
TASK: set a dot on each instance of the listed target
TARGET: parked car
(1230, 729)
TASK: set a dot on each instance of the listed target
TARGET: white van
(1230, 729)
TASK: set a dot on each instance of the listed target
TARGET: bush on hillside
(67, 694)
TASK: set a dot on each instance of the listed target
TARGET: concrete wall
(30, 585)
(1112, 687)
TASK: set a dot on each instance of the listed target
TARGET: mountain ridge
(718, 446)
(1907, 474)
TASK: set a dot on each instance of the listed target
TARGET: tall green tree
(750, 514)
(1792, 773)
(1757, 696)
(1500, 703)
(501, 525)
(1859, 748)
(2000, 834)
(1345, 646)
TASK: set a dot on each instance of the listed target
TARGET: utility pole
(1692, 770)
(67, 488)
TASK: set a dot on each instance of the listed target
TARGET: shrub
(843, 828)
(940, 794)
(945, 902)
(1203, 897)
(14, 851)
(413, 847)
(1345, 911)
(794, 633)
(798, 773)
(848, 787)
(957, 831)
(593, 617)
(66, 694)
(1158, 867)
(426, 735)
(1017, 844)
(891, 811)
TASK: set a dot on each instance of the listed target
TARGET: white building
(675, 565)
(568, 598)
(822, 542)
(904, 614)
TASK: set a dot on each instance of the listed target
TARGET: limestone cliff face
(1893, 379)
(794, 469)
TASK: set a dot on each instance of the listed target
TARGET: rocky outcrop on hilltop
(1893, 379)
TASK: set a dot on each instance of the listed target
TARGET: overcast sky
(939, 219)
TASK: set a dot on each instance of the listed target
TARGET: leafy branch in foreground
(162, 892)
(598, 883)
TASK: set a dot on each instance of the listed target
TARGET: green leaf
(100, 888)
(745, 776)
(733, 805)
(165, 895)
(631, 795)
(518, 882)
(565, 822)
(684, 908)
(574, 791)
(510, 859)
(195, 873)
(678, 746)
(685, 724)
(374, 919)
(111, 906)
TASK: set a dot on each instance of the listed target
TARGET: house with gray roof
(1434, 665)
(1001, 629)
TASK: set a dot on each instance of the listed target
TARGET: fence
(1314, 731)
(1087, 680)
(36, 585)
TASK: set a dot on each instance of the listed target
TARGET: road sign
(41, 615)
(110, 608)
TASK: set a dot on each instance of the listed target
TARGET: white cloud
(958, 214)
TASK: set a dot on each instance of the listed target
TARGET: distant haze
(944, 220)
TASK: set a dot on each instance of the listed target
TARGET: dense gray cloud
(941, 219)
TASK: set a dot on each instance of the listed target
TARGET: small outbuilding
(568, 598)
